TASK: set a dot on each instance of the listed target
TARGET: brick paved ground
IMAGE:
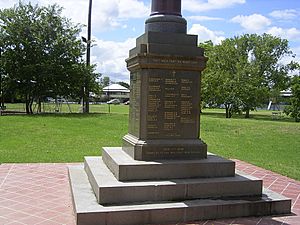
(40, 194)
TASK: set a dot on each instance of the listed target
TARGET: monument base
(117, 190)
(126, 168)
(164, 149)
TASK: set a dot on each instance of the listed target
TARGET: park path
(39, 193)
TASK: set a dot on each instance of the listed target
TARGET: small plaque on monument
(164, 117)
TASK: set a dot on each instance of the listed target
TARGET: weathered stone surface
(165, 149)
(126, 168)
(89, 212)
(109, 190)
(166, 24)
(165, 99)
(170, 39)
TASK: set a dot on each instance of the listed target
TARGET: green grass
(59, 138)
(274, 145)
(271, 144)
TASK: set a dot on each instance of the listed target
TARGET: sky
(117, 23)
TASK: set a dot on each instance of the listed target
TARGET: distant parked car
(114, 101)
(50, 99)
(127, 103)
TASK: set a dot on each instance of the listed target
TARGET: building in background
(116, 91)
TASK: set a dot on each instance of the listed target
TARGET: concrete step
(126, 169)
(109, 190)
(89, 212)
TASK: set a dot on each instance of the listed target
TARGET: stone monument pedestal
(164, 120)
(115, 189)
(163, 173)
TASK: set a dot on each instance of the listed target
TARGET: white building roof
(286, 93)
(116, 88)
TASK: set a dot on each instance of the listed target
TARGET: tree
(293, 109)
(41, 53)
(105, 81)
(218, 81)
(242, 71)
(124, 84)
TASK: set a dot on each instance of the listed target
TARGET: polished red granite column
(167, 7)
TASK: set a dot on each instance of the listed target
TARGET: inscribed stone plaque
(172, 104)
(135, 99)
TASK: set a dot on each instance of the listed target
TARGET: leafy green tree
(105, 81)
(293, 110)
(242, 71)
(41, 52)
(124, 84)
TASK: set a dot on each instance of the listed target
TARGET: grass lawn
(267, 143)
(271, 144)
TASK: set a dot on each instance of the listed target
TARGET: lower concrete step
(89, 212)
(109, 190)
(126, 168)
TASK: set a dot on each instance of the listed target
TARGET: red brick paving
(40, 194)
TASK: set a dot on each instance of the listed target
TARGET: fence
(19, 108)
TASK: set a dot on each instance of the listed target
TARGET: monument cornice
(157, 61)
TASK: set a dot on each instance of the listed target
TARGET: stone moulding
(155, 61)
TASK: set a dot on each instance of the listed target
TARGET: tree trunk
(227, 111)
(83, 99)
(247, 115)
(30, 105)
(230, 112)
(27, 107)
(27, 104)
(39, 108)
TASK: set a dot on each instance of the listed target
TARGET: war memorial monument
(163, 172)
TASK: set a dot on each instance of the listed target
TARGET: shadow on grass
(220, 115)
(263, 117)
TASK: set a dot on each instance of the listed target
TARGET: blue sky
(117, 23)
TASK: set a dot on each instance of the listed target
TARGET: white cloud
(201, 5)
(110, 58)
(295, 57)
(205, 18)
(105, 15)
(6, 4)
(296, 50)
(287, 14)
(204, 34)
(292, 34)
(257, 23)
(133, 9)
(252, 23)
